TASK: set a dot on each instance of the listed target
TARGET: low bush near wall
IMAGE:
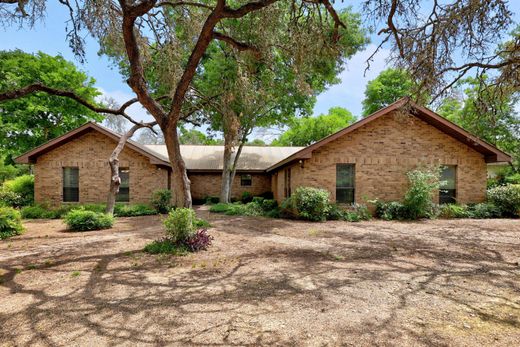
(310, 203)
(10, 222)
(506, 198)
(453, 211)
(258, 207)
(83, 220)
(120, 210)
(184, 232)
(352, 213)
(161, 200)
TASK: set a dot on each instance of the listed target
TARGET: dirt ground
(265, 282)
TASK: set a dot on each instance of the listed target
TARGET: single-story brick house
(367, 160)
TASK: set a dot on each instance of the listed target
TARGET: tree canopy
(305, 131)
(479, 109)
(28, 122)
(389, 86)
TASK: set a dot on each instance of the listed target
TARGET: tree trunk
(225, 186)
(234, 167)
(115, 180)
(182, 193)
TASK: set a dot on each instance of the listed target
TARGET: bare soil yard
(265, 282)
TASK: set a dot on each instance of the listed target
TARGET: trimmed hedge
(83, 220)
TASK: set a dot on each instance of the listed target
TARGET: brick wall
(90, 153)
(208, 184)
(383, 151)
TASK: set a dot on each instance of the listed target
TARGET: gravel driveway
(265, 282)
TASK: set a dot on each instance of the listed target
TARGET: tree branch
(183, 3)
(38, 87)
(236, 44)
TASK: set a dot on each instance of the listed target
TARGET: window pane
(70, 184)
(246, 180)
(447, 196)
(345, 195)
(345, 175)
(124, 189)
(448, 177)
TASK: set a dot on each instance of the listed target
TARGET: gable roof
(210, 158)
(197, 157)
(490, 152)
(30, 156)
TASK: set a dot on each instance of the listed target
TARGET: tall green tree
(389, 86)
(305, 131)
(28, 122)
(481, 109)
(178, 34)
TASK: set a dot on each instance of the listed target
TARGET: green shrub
(122, 210)
(390, 210)
(10, 222)
(99, 208)
(258, 199)
(453, 211)
(246, 197)
(161, 200)
(9, 198)
(267, 195)
(353, 213)
(484, 210)
(180, 224)
(513, 178)
(38, 212)
(23, 186)
(166, 246)
(311, 203)
(219, 207)
(212, 200)
(201, 223)
(83, 220)
(506, 198)
(418, 199)
(269, 205)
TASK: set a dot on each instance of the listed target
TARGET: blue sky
(49, 37)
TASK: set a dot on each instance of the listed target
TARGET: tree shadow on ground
(368, 286)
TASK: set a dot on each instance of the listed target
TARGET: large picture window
(448, 191)
(70, 184)
(124, 188)
(345, 183)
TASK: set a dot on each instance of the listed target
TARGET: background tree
(28, 122)
(196, 137)
(389, 86)
(428, 44)
(478, 108)
(305, 131)
(249, 91)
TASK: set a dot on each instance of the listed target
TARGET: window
(345, 183)
(70, 184)
(124, 188)
(448, 191)
(246, 180)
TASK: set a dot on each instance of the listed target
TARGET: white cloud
(349, 93)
